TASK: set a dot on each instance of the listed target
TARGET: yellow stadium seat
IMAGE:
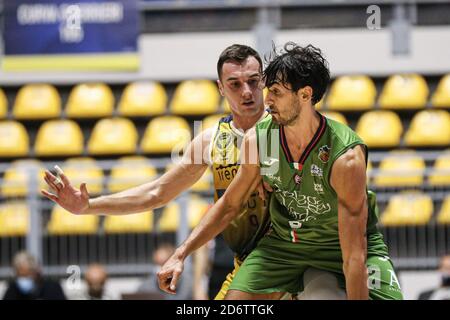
(400, 169)
(59, 138)
(407, 91)
(380, 128)
(441, 171)
(352, 93)
(86, 170)
(14, 219)
(113, 136)
(3, 105)
(337, 116)
(369, 171)
(90, 100)
(165, 133)
(444, 215)
(195, 97)
(409, 208)
(63, 222)
(132, 223)
(17, 178)
(37, 101)
(130, 172)
(441, 97)
(14, 141)
(141, 99)
(429, 128)
(170, 219)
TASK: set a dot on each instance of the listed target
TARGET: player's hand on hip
(170, 273)
(63, 193)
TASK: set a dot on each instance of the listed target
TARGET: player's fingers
(51, 184)
(83, 190)
(49, 195)
(261, 192)
(62, 176)
(55, 180)
(164, 281)
(173, 283)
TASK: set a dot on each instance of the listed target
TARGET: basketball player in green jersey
(239, 70)
(321, 212)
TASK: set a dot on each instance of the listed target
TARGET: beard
(290, 117)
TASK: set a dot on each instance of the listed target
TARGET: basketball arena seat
(380, 128)
(429, 128)
(14, 141)
(63, 222)
(195, 97)
(440, 175)
(337, 116)
(59, 138)
(142, 99)
(211, 121)
(37, 101)
(14, 219)
(130, 172)
(408, 208)
(113, 136)
(444, 214)
(84, 170)
(3, 105)
(400, 168)
(170, 219)
(441, 97)
(356, 92)
(90, 100)
(131, 223)
(16, 179)
(404, 91)
(164, 133)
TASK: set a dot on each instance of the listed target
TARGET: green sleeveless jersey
(304, 206)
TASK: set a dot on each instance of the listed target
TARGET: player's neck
(244, 122)
(302, 131)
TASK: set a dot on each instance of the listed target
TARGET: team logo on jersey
(297, 179)
(224, 141)
(316, 171)
(318, 188)
(324, 153)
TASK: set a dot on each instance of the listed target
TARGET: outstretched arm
(145, 197)
(348, 179)
(218, 217)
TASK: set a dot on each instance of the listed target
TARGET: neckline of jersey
(314, 141)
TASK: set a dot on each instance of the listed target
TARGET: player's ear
(219, 84)
(305, 93)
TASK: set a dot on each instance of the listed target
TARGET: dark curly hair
(299, 67)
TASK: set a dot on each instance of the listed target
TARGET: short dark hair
(237, 53)
(299, 67)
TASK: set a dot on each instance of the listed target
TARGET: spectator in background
(443, 292)
(28, 282)
(96, 277)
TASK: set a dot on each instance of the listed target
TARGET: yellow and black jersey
(250, 225)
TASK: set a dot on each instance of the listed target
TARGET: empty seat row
(401, 91)
(14, 220)
(96, 100)
(128, 172)
(413, 208)
(383, 128)
(406, 168)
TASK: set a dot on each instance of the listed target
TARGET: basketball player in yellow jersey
(240, 81)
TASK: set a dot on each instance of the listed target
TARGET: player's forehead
(232, 70)
(279, 86)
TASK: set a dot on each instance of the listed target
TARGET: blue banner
(67, 28)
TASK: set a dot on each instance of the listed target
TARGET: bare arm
(348, 179)
(217, 218)
(145, 197)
